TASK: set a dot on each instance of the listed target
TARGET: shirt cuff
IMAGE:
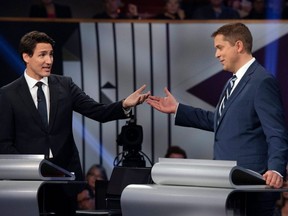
(176, 110)
(127, 111)
(277, 173)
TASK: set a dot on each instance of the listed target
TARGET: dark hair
(98, 167)
(175, 149)
(29, 41)
(233, 32)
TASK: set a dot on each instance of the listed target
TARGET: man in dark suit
(25, 131)
(249, 124)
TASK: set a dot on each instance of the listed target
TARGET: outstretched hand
(136, 98)
(166, 104)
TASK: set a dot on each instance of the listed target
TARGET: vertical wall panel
(73, 69)
(192, 61)
(107, 54)
(125, 59)
(160, 80)
(125, 64)
(143, 69)
(90, 86)
(108, 65)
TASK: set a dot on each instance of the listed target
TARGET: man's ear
(240, 46)
(25, 57)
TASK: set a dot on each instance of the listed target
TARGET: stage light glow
(11, 56)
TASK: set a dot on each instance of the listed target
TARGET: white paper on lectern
(203, 173)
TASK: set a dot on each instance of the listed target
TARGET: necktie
(227, 94)
(42, 108)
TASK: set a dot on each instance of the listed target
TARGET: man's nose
(49, 60)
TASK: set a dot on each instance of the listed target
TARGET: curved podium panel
(26, 180)
(170, 200)
(188, 187)
(31, 167)
(19, 198)
(204, 173)
(147, 200)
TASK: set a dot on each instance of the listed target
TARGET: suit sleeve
(189, 116)
(88, 107)
(269, 108)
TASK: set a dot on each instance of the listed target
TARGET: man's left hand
(273, 179)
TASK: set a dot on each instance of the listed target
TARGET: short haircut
(233, 32)
(29, 41)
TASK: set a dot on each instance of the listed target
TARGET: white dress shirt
(33, 90)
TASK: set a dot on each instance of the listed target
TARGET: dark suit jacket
(252, 129)
(22, 131)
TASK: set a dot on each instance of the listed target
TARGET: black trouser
(261, 204)
(242, 203)
(58, 199)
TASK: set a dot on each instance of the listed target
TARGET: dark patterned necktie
(42, 107)
(227, 94)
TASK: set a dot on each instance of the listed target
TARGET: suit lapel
(54, 92)
(238, 89)
(27, 100)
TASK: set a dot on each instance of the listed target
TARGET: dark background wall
(79, 8)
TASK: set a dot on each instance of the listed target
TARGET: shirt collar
(31, 81)
(240, 73)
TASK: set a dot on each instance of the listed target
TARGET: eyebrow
(45, 51)
(218, 46)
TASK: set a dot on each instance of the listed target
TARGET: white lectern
(22, 177)
(185, 187)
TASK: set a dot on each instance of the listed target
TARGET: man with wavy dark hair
(27, 129)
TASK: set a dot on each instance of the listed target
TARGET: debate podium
(188, 187)
(25, 182)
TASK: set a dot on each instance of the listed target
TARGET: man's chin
(46, 74)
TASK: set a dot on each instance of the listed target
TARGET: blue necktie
(227, 94)
(42, 108)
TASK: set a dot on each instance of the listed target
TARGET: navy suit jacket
(22, 131)
(252, 128)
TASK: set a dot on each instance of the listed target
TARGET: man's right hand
(166, 104)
